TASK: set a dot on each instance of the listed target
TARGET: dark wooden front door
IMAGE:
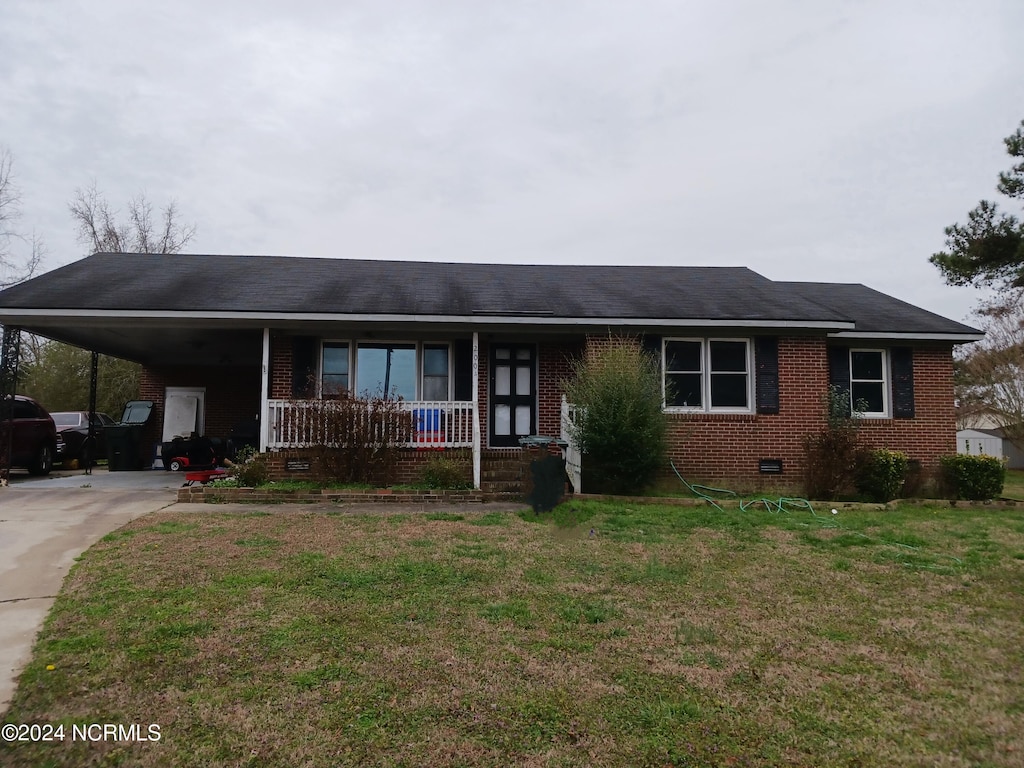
(513, 396)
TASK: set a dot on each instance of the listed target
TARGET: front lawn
(1013, 488)
(623, 635)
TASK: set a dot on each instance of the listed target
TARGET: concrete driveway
(44, 525)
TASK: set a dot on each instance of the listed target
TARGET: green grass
(1013, 488)
(602, 634)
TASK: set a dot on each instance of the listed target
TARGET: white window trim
(886, 384)
(705, 376)
(353, 365)
(421, 356)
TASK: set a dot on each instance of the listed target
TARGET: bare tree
(144, 231)
(20, 253)
(53, 370)
(990, 375)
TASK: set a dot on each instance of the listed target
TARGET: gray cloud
(818, 141)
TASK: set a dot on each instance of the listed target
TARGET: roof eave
(956, 338)
(16, 316)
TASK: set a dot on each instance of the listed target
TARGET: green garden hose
(781, 504)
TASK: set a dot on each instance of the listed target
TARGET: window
(334, 376)
(405, 370)
(386, 369)
(435, 372)
(868, 387)
(729, 380)
(684, 374)
(707, 374)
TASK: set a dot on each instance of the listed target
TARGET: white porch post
(265, 393)
(476, 410)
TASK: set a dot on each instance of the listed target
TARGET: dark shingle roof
(263, 285)
(876, 312)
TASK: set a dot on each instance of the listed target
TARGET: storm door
(513, 396)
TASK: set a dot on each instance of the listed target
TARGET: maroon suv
(35, 440)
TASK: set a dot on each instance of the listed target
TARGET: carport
(109, 322)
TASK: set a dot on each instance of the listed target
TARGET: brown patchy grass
(611, 635)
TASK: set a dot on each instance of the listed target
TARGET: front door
(513, 397)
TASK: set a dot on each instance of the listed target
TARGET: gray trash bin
(544, 482)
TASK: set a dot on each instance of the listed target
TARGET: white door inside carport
(184, 412)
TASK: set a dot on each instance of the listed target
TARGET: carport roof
(225, 292)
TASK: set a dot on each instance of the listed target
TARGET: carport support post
(90, 440)
(10, 350)
(265, 393)
(476, 410)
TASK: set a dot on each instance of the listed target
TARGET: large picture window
(707, 374)
(405, 370)
(386, 369)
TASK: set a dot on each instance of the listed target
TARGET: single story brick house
(481, 351)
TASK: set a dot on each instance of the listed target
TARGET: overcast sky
(822, 140)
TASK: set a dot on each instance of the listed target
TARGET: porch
(435, 424)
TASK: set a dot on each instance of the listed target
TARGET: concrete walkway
(44, 525)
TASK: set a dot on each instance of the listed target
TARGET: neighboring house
(978, 418)
(483, 350)
(1012, 453)
(990, 442)
(979, 442)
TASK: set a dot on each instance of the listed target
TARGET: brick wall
(232, 395)
(725, 448)
(932, 433)
(715, 448)
(553, 361)
(409, 465)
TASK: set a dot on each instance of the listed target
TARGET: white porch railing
(436, 423)
(573, 457)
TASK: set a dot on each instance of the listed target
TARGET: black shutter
(766, 374)
(839, 368)
(652, 345)
(303, 366)
(462, 354)
(902, 359)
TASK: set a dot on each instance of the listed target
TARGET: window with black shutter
(879, 382)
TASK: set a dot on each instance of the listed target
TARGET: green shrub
(448, 471)
(253, 471)
(618, 423)
(881, 474)
(831, 455)
(973, 477)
